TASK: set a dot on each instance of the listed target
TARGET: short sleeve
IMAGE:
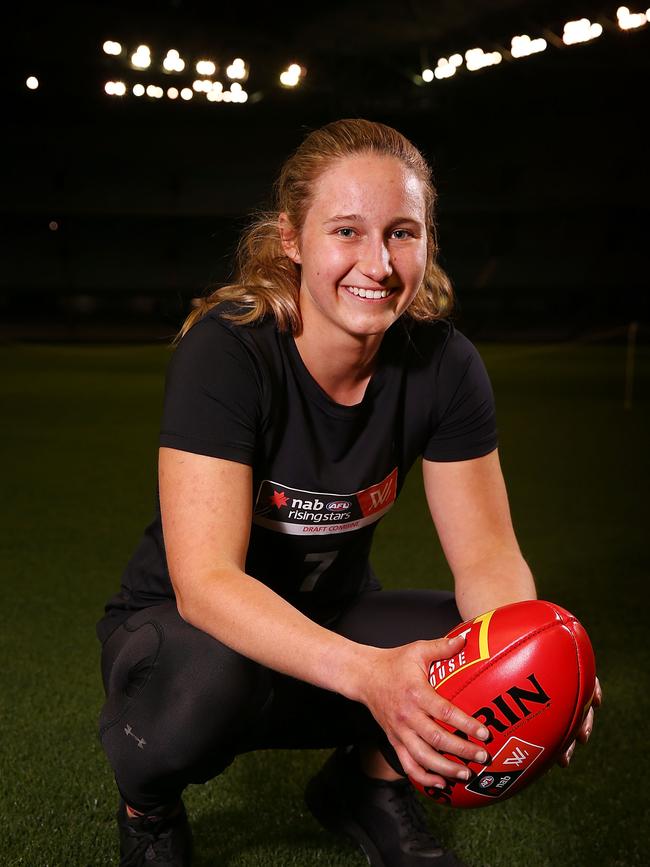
(463, 419)
(211, 404)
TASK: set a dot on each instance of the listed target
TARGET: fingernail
(483, 733)
(438, 785)
(464, 774)
(587, 732)
(481, 757)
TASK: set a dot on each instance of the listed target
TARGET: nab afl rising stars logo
(284, 509)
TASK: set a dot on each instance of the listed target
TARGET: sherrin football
(527, 672)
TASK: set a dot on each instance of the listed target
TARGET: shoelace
(153, 836)
(411, 811)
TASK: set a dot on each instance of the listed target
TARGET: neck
(341, 364)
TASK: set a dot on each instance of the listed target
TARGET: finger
(424, 776)
(443, 741)
(431, 761)
(446, 712)
(598, 695)
(586, 727)
(443, 648)
(566, 756)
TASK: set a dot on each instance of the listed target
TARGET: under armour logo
(129, 731)
(518, 756)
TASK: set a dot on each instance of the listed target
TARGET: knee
(221, 686)
(208, 704)
(181, 694)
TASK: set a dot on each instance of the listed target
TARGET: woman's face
(363, 247)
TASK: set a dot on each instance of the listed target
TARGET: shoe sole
(340, 825)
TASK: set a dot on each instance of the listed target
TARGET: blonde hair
(267, 281)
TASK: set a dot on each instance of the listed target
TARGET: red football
(527, 671)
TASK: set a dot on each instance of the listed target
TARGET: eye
(346, 229)
(403, 234)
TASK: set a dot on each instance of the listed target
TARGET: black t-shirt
(323, 474)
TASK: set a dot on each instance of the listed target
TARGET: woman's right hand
(397, 692)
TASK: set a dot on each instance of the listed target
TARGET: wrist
(351, 666)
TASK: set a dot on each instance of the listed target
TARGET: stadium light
(215, 94)
(237, 70)
(476, 58)
(630, 20)
(582, 30)
(187, 93)
(202, 85)
(427, 75)
(523, 46)
(444, 68)
(172, 93)
(205, 67)
(111, 47)
(173, 62)
(292, 75)
(115, 88)
(141, 58)
(138, 90)
(32, 82)
(238, 94)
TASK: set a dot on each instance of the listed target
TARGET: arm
(206, 507)
(469, 507)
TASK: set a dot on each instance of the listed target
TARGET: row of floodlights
(173, 62)
(582, 30)
(575, 32)
(237, 70)
(213, 91)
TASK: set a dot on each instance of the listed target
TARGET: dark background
(540, 163)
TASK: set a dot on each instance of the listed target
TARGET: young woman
(296, 402)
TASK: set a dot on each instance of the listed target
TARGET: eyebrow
(338, 217)
(357, 218)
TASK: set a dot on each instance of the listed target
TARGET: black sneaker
(385, 818)
(162, 840)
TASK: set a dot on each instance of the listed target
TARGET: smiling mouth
(368, 294)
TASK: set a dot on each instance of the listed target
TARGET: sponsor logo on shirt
(291, 510)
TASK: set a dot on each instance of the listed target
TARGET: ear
(289, 238)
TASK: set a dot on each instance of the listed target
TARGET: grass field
(79, 442)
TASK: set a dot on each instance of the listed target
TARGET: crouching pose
(296, 402)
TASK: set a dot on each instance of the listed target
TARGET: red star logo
(278, 499)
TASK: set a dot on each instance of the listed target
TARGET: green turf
(79, 441)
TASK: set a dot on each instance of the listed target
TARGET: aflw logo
(517, 758)
(379, 496)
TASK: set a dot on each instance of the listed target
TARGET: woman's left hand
(585, 729)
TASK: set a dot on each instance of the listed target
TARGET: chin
(371, 329)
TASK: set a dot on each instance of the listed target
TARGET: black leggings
(180, 705)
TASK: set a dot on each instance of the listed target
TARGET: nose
(374, 261)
